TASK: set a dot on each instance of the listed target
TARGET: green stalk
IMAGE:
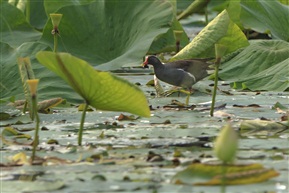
(217, 63)
(224, 170)
(220, 51)
(178, 37)
(25, 107)
(55, 41)
(81, 124)
(55, 19)
(26, 73)
(36, 136)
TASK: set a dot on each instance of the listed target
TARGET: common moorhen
(181, 73)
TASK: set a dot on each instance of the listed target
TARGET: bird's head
(150, 60)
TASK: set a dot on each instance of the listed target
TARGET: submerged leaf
(246, 177)
(4, 116)
(9, 136)
(101, 90)
(45, 185)
(8, 111)
(263, 125)
(208, 174)
(20, 159)
(9, 131)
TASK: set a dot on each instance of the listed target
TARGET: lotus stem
(217, 63)
(33, 83)
(25, 107)
(178, 36)
(81, 124)
(55, 42)
(26, 73)
(220, 51)
(55, 18)
(36, 135)
(224, 171)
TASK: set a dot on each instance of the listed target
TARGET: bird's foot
(188, 93)
(170, 92)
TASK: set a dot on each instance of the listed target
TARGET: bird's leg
(188, 96)
(189, 92)
(181, 90)
(187, 100)
(159, 89)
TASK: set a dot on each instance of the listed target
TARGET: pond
(143, 154)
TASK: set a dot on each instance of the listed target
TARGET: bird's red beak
(145, 64)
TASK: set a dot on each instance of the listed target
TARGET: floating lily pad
(209, 174)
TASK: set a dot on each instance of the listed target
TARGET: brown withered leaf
(177, 105)
(19, 104)
(221, 106)
(44, 106)
(123, 117)
(285, 117)
(154, 157)
(246, 106)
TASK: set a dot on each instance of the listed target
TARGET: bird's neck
(158, 66)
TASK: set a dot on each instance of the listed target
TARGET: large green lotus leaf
(275, 78)
(167, 42)
(257, 57)
(112, 33)
(37, 14)
(266, 16)
(9, 71)
(39, 10)
(14, 28)
(221, 30)
(101, 90)
(285, 2)
(234, 11)
(52, 7)
(195, 6)
(10, 82)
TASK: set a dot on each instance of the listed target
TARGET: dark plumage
(182, 73)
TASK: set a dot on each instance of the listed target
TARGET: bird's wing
(181, 64)
(195, 67)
